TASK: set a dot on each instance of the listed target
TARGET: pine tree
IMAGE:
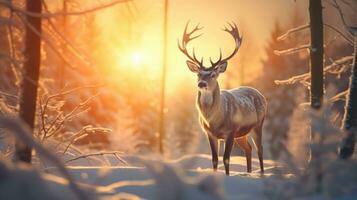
(281, 98)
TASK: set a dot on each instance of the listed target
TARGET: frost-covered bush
(325, 175)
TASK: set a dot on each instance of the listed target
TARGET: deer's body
(223, 111)
(226, 114)
(231, 115)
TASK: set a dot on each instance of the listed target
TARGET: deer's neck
(208, 103)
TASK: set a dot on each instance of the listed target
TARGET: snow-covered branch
(338, 97)
(85, 131)
(51, 128)
(293, 30)
(114, 153)
(22, 132)
(306, 26)
(292, 50)
(305, 77)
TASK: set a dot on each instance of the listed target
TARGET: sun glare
(136, 58)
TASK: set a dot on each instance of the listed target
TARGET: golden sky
(139, 25)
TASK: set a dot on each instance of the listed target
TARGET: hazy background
(123, 46)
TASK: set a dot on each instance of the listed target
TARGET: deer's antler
(186, 38)
(233, 31)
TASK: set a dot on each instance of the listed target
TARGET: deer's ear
(221, 67)
(193, 66)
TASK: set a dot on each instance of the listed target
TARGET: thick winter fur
(226, 114)
(230, 115)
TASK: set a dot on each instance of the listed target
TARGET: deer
(228, 115)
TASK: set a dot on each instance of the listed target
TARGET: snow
(189, 177)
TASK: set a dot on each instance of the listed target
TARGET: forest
(178, 99)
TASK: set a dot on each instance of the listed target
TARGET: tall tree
(317, 76)
(316, 54)
(163, 80)
(316, 62)
(276, 67)
(31, 74)
(350, 118)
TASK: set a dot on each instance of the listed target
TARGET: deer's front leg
(227, 152)
(213, 142)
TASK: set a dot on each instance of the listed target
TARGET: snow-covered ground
(189, 177)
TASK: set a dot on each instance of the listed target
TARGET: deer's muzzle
(202, 84)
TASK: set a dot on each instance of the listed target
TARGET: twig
(306, 76)
(338, 97)
(77, 52)
(339, 10)
(22, 132)
(83, 133)
(71, 114)
(293, 30)
(74, 90)
(292, 50)
(115, 153)
(9, 95)
(52, 130)
(48, 42)
(349, 41)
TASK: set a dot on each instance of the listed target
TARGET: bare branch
(85, 131)
(338, 97)
(22, 132)
(293, 30)
(48, 42)
(73, 90)
(339, 10)
(68, 43)
(304, 77)
(292, 50)
(9, 95)
(57, 123)
(349, 41)
(115, 153)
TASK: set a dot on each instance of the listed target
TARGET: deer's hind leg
(245, 146)
(257, 138)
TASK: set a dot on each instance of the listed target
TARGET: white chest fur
(206, 98)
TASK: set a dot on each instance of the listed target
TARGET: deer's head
(207, 76)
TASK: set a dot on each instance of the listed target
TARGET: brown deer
(227, 115)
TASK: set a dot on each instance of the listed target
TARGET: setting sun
(178, 99)
(136, 58)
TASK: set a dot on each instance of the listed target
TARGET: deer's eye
(212, 75)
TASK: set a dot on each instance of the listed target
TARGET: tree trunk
(163, 81)
(316, 54)
(316, 61)
(32, 55)
(317, 79)
(350, 118)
